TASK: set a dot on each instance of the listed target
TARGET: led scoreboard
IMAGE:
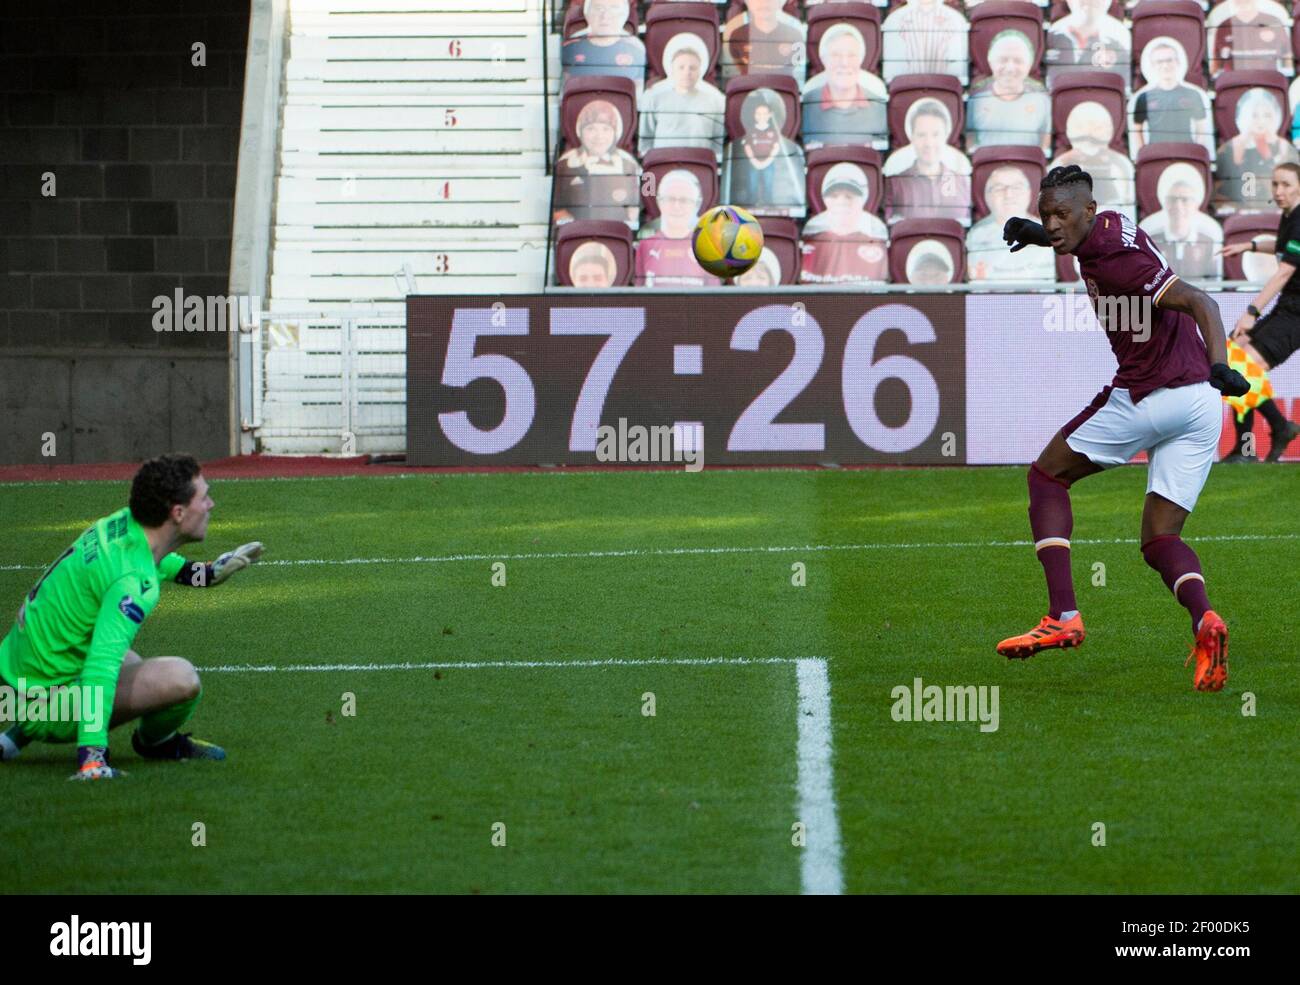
(762, 378)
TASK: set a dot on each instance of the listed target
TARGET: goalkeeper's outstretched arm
(199, 574)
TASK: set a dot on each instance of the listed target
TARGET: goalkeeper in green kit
(75, 627)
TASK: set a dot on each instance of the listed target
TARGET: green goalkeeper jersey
(81, 616)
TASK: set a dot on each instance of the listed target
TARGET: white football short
(1177, 426)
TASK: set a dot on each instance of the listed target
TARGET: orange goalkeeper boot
(1211, 653)
(1048, 634)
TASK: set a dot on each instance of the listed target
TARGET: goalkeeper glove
(92, 764)
(1228, 381)
(1020, 233)
(236, 560)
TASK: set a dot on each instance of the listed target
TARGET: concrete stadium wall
(142, 144)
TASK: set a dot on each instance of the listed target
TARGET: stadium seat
(778, 187)
(665, 21)
(823, 159)
(1108, 47)
(863, 16)
(1229, 88)
(1163, 113)
(1262, 45)
(912, 44)
(1031, 160)
(1106, 88)
(781, 52)
(698, 161)
(907, 89)
(583, 89)
(1151, 163)
(844, 104)
(892, 5)
(920, 245)
(1182, 20)
(606, 47)
(575, 19)
(1061, 8)
(737, 7)
(612, 251)
(991, 18)
(781, 236)
(740, 88)
(1243, 229)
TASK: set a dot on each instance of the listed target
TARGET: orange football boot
(1048, 634)
(1211, 653)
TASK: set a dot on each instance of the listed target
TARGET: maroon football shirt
(1125, 272)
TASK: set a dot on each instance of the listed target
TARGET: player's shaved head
(1067, 207)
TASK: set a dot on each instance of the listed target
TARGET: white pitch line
(493, 664)
(698, 551)
(820, 872)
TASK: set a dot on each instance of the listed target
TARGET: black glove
(1024, 232)
(1228, 381)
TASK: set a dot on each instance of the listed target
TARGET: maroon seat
(1255, 48)
(784, 86)
(822, 159)
(863, 16)
(1242, 229)
(1031, 160)
(761, 56)
(1228, 89)
(614, 236)
(1060, 8)
(582, 89)
(575, 20)
(1182, 20)
(699, 161)
(665, 21)
(1151, 163)
(907, 89)
(737, 7)
(991, 18)
(1107, 88)
(957, 5)
(905, 235)
(781, 236)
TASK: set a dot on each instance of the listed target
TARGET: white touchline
(693, 551)
(820, 870)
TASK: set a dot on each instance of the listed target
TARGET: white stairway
(412, 152)
(412, 160)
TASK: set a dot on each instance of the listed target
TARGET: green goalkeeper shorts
(45, 721)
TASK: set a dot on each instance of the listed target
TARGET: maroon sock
(1051, 520)
(1181, 570)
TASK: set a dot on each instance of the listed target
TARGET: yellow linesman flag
(1261, 388)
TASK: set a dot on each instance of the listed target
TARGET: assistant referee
(1271, 339)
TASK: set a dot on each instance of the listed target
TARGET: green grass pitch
(908, 575)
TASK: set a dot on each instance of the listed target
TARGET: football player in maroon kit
(1164, 399)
